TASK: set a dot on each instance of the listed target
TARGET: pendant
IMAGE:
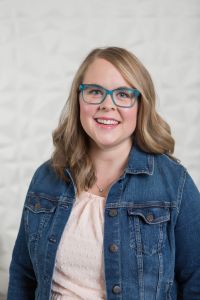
(100, 189)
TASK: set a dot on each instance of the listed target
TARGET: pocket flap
(40, 204)
(151, 215)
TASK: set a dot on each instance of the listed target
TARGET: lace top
(79, 269)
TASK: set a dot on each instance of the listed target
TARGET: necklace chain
(102, 190)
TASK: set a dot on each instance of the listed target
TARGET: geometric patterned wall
(42, 43)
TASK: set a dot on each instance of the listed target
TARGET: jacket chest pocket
(39, 211)
(148, 228)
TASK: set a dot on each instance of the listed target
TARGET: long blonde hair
(152, 133)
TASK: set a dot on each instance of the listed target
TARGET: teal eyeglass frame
(108, 92)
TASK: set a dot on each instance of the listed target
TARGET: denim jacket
(152, 217)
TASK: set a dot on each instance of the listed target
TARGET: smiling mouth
(107, 122)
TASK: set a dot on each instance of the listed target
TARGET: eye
(123, 94)
(94, 91)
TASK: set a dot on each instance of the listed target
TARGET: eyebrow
(120, 87)
(124, 87)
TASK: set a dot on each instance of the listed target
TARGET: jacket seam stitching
(180, 190)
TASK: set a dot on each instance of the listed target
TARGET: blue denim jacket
(152, 216)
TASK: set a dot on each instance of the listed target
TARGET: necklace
(101, 190)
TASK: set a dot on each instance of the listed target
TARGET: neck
(109, 163)
(114, 156)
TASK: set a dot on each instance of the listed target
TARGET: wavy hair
(71, 144)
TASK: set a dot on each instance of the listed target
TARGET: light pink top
(79, 268)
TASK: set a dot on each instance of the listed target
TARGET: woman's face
(107, 136)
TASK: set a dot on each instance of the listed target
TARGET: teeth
(107, 122)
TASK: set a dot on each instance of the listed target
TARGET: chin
(106, 145)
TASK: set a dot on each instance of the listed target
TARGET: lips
(107, 121)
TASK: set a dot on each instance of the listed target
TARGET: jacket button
(52, 239)
(150, 218)
(113, 248)
(37, 205)
(116, 289)
(113, 212)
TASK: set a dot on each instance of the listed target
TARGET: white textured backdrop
(42, 43)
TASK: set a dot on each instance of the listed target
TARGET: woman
(112, 215)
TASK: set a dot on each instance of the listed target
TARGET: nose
(108, 103)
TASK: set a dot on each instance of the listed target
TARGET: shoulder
(44, 171)
(174, 179)
(175, 174)
(169, 165)
(45, 180)
(172, 172)
(155, 164)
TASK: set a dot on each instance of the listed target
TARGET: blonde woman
(112, 214)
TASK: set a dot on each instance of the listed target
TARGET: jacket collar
(140, 162)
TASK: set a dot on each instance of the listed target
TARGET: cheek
(82, 110)
(86, 112)
(131, 117)
(82, 114)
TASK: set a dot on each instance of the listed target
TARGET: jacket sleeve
(22, 280)
(187, 236)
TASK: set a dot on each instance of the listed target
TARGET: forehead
(104, 73)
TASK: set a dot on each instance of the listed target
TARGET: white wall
(42, 43)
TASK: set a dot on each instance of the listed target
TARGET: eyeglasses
(121, 97)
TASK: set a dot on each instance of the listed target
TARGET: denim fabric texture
(152, 215)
